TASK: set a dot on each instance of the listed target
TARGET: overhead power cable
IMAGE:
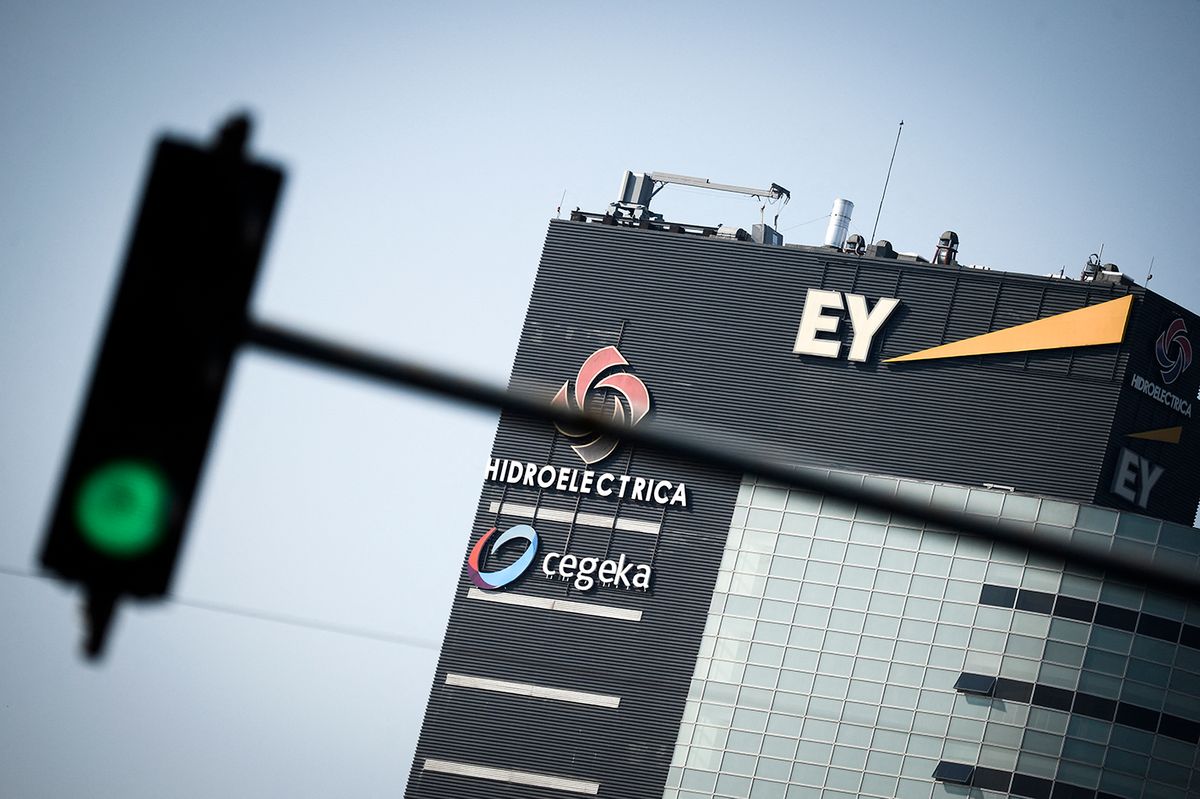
(286, 619)
(820, 218)
(1164, 575)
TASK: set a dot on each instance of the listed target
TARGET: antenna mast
(895, 147)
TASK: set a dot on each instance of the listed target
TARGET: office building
(631, 625)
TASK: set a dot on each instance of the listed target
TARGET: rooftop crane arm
(775, 192)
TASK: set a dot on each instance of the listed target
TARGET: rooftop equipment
(839, 223)
(946, 253)
(1109, 273)
(732, 232)
(765, 234)
(1095, 272)
(883, 249)
(663, 178)
(638, 189)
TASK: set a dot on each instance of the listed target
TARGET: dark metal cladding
(1150, 403)
(721, 318)
(709, 326)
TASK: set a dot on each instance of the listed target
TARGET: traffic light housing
(180, 312)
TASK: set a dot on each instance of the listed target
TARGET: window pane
(760, 676)
(782, 589)
(766, 654)
(790, 703)
(796, 681)
(733, 786)
(744, 741)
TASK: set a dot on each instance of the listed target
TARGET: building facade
(848, 655)
(633, 625)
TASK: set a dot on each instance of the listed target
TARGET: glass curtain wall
(849, 656)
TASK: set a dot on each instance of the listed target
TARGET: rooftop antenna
(1150, 271)
(558, 210)
(896, 146)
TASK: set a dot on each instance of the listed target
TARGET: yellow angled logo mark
(1085, 327)
(1169, 435)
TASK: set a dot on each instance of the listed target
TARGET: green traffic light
(121, 508)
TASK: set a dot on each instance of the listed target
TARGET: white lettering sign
(1134, 477)
(864, 324)
(619, 573)
(1157, 392)
(584, 481)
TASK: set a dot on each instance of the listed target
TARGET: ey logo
(1134, 477)
(817, 318)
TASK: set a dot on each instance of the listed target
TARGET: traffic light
(180, 311)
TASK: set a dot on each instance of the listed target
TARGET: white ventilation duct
(839, 223)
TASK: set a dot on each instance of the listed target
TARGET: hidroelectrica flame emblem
(1174, 351)
(603, 378)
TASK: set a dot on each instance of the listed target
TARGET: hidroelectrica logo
(502, 577)
(1174, 351)
(601, 378)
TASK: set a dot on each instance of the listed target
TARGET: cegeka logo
(501, 577)
(602, 377)
(586, 572)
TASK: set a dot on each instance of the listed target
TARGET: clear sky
(427, 145)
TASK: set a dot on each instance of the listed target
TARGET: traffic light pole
(1164, 576)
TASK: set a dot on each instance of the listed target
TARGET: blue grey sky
(427, 145)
